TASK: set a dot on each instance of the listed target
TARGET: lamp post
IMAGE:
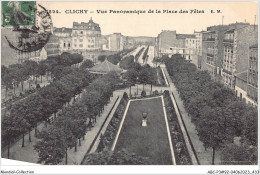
(137, 84)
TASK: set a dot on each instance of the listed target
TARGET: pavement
(28, 154)
(204, 156)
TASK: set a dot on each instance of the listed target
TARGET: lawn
(151, 141)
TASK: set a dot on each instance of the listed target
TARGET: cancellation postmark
(30, 23)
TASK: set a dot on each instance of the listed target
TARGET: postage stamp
(30, 23)
(18, 13)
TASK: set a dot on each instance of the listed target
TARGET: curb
(190, 147)
(100, 129)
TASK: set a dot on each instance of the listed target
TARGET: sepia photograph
(129, 83)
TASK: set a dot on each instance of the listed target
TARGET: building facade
(115, 42)
(225, 49)
(212, 50)
(83, 38)
(252, 88)
(241, 86)
(64, 37)
(170, 43)
(236, 51)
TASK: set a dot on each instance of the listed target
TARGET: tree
(144, 75)
(101, 58)
(249, 125)
(14, 71)
(17, 114)
(131, 76)
(42, 68)
(9, 131)
(31, 67)
(87, 64)
(238, 155)
(210, 129)
(57, 72)
(127, 62)
(52, 146)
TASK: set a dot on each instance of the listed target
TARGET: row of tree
(71, 126)
(139, 54)
(219, 116)
(145, 54)
(24, 115)
(117, 57)
(141, 74)
(16, 74)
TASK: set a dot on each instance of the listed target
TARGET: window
(64, 45)
(75, 45)
(80, 40)
(81, 32)
(69, 45)
(81, 45)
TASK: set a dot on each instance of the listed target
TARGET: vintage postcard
(129, 83)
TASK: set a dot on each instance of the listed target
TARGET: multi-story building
(252, 87)
(170, 43)
(83, 38)
(62, 32)
(86, 36)
(194, 44)
(236, 50)
(52, 47)
(212, 50)
(115, 42)
(64, 37)
(225, 49)
(241, 86)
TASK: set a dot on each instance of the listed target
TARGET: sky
(151, 24)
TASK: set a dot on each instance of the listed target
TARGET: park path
(28, 154)
(204, 156)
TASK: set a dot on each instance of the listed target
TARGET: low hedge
(180, 150)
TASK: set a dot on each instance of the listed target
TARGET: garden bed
(180, 150)
(106, 140)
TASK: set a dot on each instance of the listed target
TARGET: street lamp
(137, 84)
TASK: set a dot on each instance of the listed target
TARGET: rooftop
(86, 26)
(105, 67)
(63, 30)
(184, 36)
(230, 31)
